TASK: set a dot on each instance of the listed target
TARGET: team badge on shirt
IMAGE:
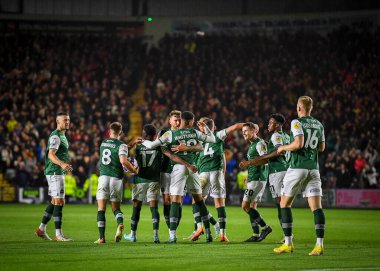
(296, 125)
(278, 139)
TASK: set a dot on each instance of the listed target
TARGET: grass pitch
(352, 242)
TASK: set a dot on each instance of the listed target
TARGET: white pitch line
(345, 268)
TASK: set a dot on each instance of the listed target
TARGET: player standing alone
(307, 136)
(56, 164)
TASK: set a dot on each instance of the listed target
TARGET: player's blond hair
(306, 103)
(175, 113)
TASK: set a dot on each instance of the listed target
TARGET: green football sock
(279, 212)
(155, 217)
(174, 213)
(57, 215)
(319, 222)
(119, 216)
(252, 217)
(222, 217)
(204, 214)
(287, 221)
(167, 214)
(179, 214)
(212, 219)
(48, 213)
(255, 215)
(197, 215)
(135, 217)
(101, 223)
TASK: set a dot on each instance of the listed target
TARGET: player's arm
(298, 142)
(235, 127)
(66, 167)
(208, 137)
(162, 140)
(261, 148)
(54, 143)
(179, 160)
(224, 164)
(123, 158)
(322, 144)
(276, 140)
(182, 147)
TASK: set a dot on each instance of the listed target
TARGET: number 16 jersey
(313, 132)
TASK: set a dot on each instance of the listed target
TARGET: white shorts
(213, 182)
(110, 188)
(181, 176)
(275, 183)
(56, 185)
(254, 191)
(305, 180)
(165, 182)
(146, 191)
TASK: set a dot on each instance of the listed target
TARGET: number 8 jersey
(110, 165)
(313, 132)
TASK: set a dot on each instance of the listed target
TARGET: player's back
(313, 132)
(211, 158)
(110, 165)
(187, 136)
(149, 161)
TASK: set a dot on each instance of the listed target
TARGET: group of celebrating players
(183, 160)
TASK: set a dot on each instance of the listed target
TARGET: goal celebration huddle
(182, 159)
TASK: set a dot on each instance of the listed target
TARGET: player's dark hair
(62, 114)
(116, 127)
(279, 118)
(150, 131)
(187, 115)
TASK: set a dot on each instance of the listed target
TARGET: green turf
(352, 241)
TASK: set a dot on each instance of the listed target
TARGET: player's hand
(178, 148)
(243, 164)
(136, 170)
(280, 149)
(67, 167)
(137, 141)
(193, 168)
(201, 124)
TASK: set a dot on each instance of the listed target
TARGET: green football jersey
(211, 158)
(166, 165)
(149, 161)
(110, 150)
(313, 132)
(280, 163)
(187, 136)
(58, 141)
(257, 148)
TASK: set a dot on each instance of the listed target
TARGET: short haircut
(116, 127)
(62, 114)
(279, 118)
(187, 115)
(175, 113)
(209, 122)
(251, 125)
(306, 103)
(150, 130)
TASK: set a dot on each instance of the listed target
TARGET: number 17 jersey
(313, 132)
(110, 150)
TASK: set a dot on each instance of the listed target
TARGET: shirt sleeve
(296, 128)
(123, 150)
(261, 148)
(323, 135)
(222, 134)
(54, 142)
(163, 140)
(276, 140)
(209, 138)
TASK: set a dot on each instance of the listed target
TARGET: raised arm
(235, 127)
(165, 138)
(209, 137)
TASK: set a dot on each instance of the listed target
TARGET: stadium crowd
(230, 78)
(90, 77)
